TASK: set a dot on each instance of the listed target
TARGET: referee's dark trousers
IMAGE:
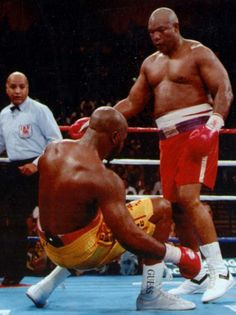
(19, 196)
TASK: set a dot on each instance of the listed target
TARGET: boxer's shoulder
(110, 181)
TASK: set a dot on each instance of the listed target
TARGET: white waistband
(183, 114)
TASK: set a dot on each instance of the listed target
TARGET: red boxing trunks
(177, 166)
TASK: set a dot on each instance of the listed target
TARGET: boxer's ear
(116, 137)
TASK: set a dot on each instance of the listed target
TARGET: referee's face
(17, 89)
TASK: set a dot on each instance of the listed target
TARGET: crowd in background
(73, 53)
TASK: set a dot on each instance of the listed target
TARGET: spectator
(87, 107)
(129, 190)
(157, 188)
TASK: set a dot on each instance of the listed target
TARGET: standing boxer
(192, 96)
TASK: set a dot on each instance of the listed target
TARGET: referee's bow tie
(14, 107)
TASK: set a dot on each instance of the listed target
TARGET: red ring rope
(152, 129)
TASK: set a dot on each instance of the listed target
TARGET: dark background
(76, 50)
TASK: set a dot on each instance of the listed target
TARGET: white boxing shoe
(160, 300)
(37, 295)
(192, 286)
(40, 292)
(218, 285)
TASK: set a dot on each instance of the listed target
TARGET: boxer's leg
(188, 237)
(220, 279)
(151, 295)
(40, 292)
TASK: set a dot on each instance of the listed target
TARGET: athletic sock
(152, 278)
(213, 256)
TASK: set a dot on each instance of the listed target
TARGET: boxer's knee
(188, 199)
(162, 210)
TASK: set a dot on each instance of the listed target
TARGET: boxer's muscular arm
(111, 201)
(137, 98)
(118, 218)
(216, 79)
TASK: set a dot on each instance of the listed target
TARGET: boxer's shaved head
(164, 13)
(107, 119)
(109, 130)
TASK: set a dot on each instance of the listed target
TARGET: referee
(26, 127)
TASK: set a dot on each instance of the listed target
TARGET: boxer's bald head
(110, 127)
(163, 27)
(107, 119)
(165, 14)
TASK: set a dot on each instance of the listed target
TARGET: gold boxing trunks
(94, 246)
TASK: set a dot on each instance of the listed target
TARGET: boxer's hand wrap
(77, 130)
(215, 122)
(202, 138)
(189, 264)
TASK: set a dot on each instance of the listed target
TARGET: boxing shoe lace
(191, 286)
(161, 300)
(212, 277)
(219, 284)
(170, 297)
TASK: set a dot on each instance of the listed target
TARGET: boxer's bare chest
(182, 70)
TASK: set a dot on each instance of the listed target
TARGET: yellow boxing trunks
(94, 246)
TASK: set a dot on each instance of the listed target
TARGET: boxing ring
(75, 132)
(94, 294)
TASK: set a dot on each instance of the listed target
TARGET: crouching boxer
(84, 222)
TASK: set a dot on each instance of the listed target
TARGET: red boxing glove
(200, 141)
(202, 138)
(77, 130)
(190, 264)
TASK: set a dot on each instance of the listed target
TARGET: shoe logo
(199, 282)
(224, 277)
(190, 253)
